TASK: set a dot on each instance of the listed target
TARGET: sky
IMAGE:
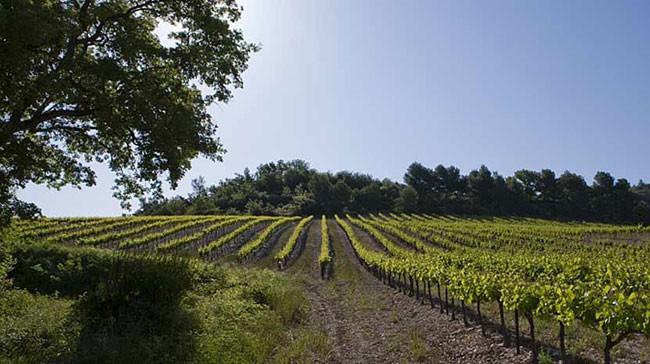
(372, 86)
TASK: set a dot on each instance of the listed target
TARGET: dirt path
(368, 322)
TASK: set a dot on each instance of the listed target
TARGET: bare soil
(366, 321)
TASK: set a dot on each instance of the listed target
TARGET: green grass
(83, 305)
(418, 347)
(310, 346)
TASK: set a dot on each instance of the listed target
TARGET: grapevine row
(282, 256)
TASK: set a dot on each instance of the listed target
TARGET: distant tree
(390, 191)
(199, 201)
(602, 195)
(530, 182)
(547, 186)
(199, 190)
(297, 173)
(368, 199)
(604, 182)
(321, 187)
(89, 80)
(642, 212)
(454, 181)
(518, 203)
(440, 179)
(422, 180)
(574, 196)
(642, 189)
(173, 206)
(292, 188)
(500, 196)
(270, 177)
(408, 200)
(356, 181)
(481, 183)
(623, 201)
(340, 197)
(303, 203)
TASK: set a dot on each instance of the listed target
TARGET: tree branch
(103, 23)
(65, 127)
(34, 121)
(620, 338)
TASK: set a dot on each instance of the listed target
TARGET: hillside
(375, 288)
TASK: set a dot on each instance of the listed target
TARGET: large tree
(89, 80)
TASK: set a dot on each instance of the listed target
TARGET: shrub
(147, 288)
(36, 329)
(58, 269)
(107, 307)
(128, 306)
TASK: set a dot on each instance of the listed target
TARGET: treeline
(293, 188)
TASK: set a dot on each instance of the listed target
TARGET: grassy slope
(71, 305)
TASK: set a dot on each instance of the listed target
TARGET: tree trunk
(462, 304)
(430, 295)
(517, 331)
(440, 298)
(410, 286)
(417, 289)
(531, 324)
(562, 347)
(453, 308)
(399, 282)
(480, 316)
(504, 331)
(446, 301)
(608, 349)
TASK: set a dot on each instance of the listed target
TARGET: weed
(418, 347)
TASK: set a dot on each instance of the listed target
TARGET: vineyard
(535, 287)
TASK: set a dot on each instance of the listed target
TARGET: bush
(58, 269)
(36, 329)
(6, 261)
(147, 288)
(128, 306)
(107, 307)
(248, 318)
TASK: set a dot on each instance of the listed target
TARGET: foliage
(325, 255)
(282, 188)
(11, 207)
(565, 272)
(407, 201)
(252, 246)
(36, 329)
(114, 307)
(6, 259)
(292, 188)
(25, 210)
(227, 238)
(84, 81)
(288, 248)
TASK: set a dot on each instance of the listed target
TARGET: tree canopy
(89, 80)
(293, 188)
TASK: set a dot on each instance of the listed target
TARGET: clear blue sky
(372, 86)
